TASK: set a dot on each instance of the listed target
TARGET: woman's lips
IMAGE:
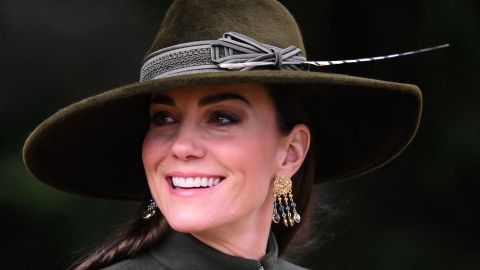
(194, 181)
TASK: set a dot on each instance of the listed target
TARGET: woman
(223, 137)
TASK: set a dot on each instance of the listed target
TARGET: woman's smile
(194, 181)
(188, 188)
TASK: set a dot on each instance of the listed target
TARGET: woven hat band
(213, 55)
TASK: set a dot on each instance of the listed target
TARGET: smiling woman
(225, 137)
(224, 160)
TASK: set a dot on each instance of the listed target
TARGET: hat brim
(93, 147)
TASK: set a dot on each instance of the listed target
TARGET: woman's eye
(222, 118)
(162, 118)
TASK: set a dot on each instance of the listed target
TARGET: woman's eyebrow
(208, 100)
(162, 99)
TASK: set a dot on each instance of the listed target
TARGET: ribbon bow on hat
(235, 48)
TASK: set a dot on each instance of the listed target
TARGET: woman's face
(211, 154)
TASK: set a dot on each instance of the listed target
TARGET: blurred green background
(419, 212)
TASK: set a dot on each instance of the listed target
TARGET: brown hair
(140, 235)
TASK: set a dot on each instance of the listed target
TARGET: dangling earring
(150, 211)
(282, 186)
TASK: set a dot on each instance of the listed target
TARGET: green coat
(183, 251)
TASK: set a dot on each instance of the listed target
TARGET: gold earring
(282, 187)
(150, 211)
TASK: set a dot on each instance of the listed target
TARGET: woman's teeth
(193, 182)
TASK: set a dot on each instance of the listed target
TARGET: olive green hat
(93, 147)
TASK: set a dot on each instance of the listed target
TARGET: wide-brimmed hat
(93, 147)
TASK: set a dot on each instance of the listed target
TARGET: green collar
(183, 251)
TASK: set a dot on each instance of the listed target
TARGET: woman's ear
(297, 143)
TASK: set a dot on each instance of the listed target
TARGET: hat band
(212, 55)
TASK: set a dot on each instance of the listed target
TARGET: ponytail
(132, 239)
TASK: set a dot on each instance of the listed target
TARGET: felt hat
(93, 147)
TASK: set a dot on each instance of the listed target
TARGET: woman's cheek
(147, 150)
(152, 151)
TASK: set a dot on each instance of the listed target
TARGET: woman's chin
(189, 222)
(190, 226)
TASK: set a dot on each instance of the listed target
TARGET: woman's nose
(187, 145)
